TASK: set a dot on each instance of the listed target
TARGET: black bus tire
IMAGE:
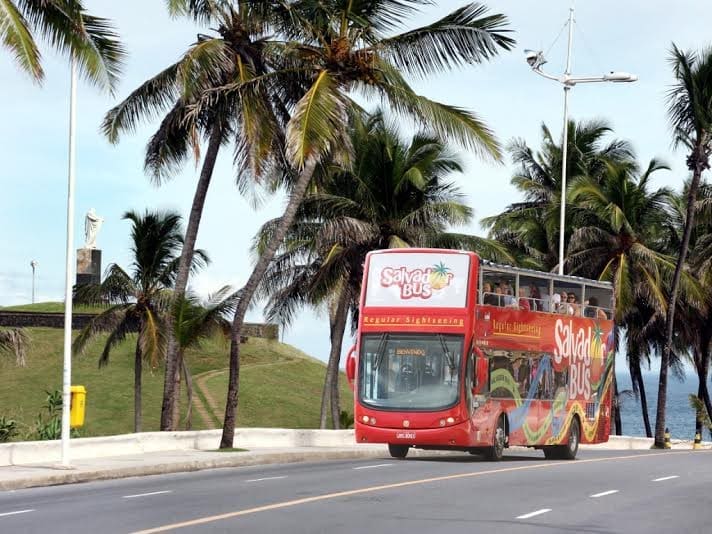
(398, 451)
(499, 440)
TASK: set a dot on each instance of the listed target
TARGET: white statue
(92, 223)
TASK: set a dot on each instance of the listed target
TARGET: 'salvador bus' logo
(417, 283)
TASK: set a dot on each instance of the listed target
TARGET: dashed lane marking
(16, 512)
(371, 466)
(146, 494)
(372, 489)
(266, 478)
(532, 514)
(603, 494)
(665, 478)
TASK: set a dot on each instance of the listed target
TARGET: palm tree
(137, 302)
(623, 244)
(239, 49)
(695, 323)
(197, 320)
(531, 227)
(15, 341)
(395, 194)
(339, 48)
(68, 27)
(690, 113)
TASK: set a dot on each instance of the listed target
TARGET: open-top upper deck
(440, 279)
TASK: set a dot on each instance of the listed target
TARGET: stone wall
(19, 319)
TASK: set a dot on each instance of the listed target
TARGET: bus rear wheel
(499, 440)
(570, 449)
(398, 451)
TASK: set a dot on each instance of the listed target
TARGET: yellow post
(698, 442)
(77, 406)
(667, 439)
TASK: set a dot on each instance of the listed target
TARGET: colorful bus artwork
(457, 353)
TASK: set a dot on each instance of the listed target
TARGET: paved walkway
(84, 470)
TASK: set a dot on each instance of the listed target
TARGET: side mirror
(351, 367)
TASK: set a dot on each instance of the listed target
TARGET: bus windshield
(410, 371)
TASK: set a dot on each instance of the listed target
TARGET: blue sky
(629, 36)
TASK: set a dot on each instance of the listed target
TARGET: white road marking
(372, 466)
(16, 512)
(603, 494)
(146, 494)
(665, 478)
(266, 478)
(532, 514)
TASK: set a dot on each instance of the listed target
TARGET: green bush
(346, 420)
(51, 428)
(8, 429)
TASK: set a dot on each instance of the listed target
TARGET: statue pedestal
(88, 266)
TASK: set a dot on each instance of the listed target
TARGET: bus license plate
(405, 435)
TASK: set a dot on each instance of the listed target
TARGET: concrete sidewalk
(14, 477)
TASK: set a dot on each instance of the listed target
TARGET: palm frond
(465, 36)
(317, 124)
(107, 321)
(143, 104)
(71, 30)
(15, 341)
(16, 36)
(449, 122)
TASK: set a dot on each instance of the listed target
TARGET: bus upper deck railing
(545, 305)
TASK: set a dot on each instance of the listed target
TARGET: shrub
(8, 429)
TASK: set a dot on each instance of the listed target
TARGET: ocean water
(679, 418)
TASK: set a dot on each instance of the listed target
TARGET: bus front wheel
(398, 451)
(496, 451)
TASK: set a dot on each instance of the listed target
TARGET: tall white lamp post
(536, 60)
(34, 265)
(69, 268)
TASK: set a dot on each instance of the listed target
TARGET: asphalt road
(601, 492)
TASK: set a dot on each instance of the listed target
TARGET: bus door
(526, 374)
(545, 396)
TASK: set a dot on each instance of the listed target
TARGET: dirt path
(214, 408)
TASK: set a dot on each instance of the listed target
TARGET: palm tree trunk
(246, 294)
(176, 405)
(643, 403)
(138, 367)
(617, 408)
(331, 380)
(189, 392)
(672, 303)
(702, 365)
(168, 422)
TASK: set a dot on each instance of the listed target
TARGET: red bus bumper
(460, 435)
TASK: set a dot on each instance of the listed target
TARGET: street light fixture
(536, 60)
(34, 265)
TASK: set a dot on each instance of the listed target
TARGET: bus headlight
(450, 420)
(365, 419)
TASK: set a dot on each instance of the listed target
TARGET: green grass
(280, 386)
(53, 307)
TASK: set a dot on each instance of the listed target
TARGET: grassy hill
(280, 386)
(52, 307)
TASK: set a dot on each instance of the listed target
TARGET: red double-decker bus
(458, 353)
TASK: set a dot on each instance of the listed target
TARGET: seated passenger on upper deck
(524, 303)
(593, 310)
(487, 296)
